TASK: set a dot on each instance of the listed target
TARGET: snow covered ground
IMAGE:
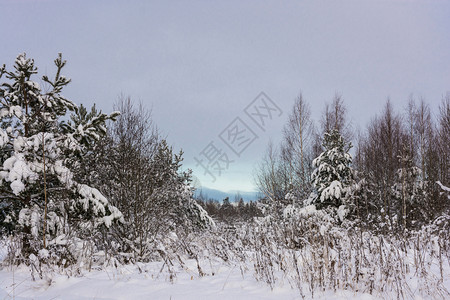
(128, 283)
(146, 281)
(154, 281)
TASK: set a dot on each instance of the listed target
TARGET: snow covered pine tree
(332, 177)
(40, 200)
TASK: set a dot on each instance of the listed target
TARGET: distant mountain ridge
(219, 195)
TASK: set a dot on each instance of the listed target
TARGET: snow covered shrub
(314, 252)
(41, 200)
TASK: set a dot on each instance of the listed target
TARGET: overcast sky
(199, 64)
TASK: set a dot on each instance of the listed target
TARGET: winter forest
(343, 213)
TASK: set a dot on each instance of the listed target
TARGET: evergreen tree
(332, 176)
(227, 211)
(39, 195)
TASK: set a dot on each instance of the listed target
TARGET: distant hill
(220, 195)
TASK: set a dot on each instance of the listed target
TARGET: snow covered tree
(273, 179)
(139, 174)
(409, 191)
(122, 172)
(332, 176)
(172, 195)
(377, 161)
(39, 195)
(335, 118)
(442, 145)
(296, 148)
(90, 167)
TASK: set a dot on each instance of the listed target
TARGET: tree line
(74, 181)
(393, 175)
(230, 213)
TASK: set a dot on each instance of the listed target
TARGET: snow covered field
(154, 281)
(129, 283)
